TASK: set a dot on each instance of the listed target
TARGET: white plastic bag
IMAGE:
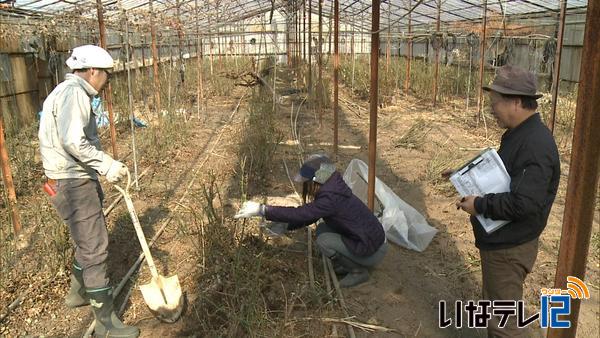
(403, 224)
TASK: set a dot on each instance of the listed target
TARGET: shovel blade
(164, 297)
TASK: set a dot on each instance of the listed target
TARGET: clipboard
(484, 174)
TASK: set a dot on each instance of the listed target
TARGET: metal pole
(130, 101)
(199, 65)
(584, 170)
(482, 61)
(8, 181)
(373, 101)
(287, 40)
(556, 77)
(155, 61)
(388, 48)
(298, 44)
(304, 28)
(336, 66)
(320, 65)
(108, 91)
(437, 55)
(180, 43)
(310, 51)
(409, 51)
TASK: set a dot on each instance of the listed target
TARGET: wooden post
(108, 91)
(437, 55)
(155, 61)
(583, 171)
(336, 66)
(373, 101)
(8, 181)
(482, 61)
(409, 50)
(556, 75)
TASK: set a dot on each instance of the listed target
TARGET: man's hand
(116, 172)
(467, 204)
(250, 209)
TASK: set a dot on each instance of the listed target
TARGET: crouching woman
(349, 234)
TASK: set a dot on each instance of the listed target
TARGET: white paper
(484, 174)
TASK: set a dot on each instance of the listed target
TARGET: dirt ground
(403, 292)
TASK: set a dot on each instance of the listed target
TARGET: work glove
(116, 172)
(250, 209)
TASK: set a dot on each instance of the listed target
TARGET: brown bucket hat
(512, 80)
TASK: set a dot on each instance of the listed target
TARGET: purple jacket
(342, 211)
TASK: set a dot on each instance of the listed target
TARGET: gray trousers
(78, 202)
(330, 244)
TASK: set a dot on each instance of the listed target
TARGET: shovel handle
(137, 226)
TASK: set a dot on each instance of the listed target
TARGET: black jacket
(342, 211)
(531, 159)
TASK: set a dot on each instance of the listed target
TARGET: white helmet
(89, 56)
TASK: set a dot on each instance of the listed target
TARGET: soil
(404, 290)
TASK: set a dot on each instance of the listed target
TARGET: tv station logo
(554, 303)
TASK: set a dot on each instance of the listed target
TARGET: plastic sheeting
(403, 224)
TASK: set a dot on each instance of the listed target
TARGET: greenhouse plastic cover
(403, 224)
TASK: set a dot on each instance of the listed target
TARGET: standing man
(530, 156)
(72, 159)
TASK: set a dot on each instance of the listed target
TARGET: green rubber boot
(76, 296)
(107, 322)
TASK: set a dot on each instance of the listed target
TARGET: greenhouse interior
(156, 153)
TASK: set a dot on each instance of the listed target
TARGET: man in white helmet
(73, 159)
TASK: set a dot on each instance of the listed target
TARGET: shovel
(163, 294)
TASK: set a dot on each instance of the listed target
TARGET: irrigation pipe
(141, 257)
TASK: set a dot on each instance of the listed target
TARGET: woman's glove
(250, 209)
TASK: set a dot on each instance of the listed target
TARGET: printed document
(484, 174)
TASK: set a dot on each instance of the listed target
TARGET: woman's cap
(314, 163)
